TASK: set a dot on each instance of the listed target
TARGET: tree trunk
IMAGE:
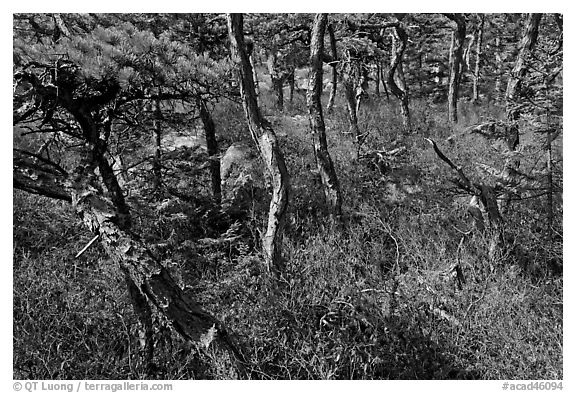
(361, 87)
(157, 163)
(480, 36)
(455, 65)
(323, 160)
(377, 79)
(267, 144)
(277, 80)
(334, 55)
(291, 84)
(402, 95)
(211, 147)
(255, 76)
(383, 79)
(499, 65)
(350, 94)
(529, 37)
(550, 191)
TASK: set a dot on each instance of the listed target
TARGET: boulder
(242, 175)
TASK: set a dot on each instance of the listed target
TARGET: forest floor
(407, 290)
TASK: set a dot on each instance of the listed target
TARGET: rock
(242, 177)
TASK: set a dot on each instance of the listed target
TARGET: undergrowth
(380, 298)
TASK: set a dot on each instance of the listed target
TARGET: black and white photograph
(287, 196)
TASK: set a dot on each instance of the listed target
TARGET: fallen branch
(87, 246)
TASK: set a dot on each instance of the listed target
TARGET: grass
(377, 300)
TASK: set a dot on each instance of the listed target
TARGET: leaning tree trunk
(383, 79)
(476, 80)
(267, 144)
(323, 159)
(211, 147)
(455, 65)
(402, 95)
(517, 75)
(333, 64)
(144, 274)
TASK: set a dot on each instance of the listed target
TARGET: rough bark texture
(291, 85)
(211, 147)
(277, 78)
(350, 95)
(499, 65)
(513, 107)
(383, 79)
(455, 65)
(267, 144)
(519, 71)
(399, 46)
(323, 160)
(334, 55)
(477, 64)
(157, 163)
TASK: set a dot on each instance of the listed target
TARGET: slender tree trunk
(480, 36)
(350, 95)
(211, 147)
(361, 87)
(550, 191)
(267, 144)
(255, 76)
(323, 160)
(334, 55)
(499, 65)
(402, 95)
(455, 65)
(157, 163)
(420, 73)
(291, 83)
(377, 79)
(277, 80)
(383, 79)
(529, 38)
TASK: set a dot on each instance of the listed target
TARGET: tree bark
(402, 95)
(277, 78)
(349, 83)
(291, 85)
(499, 65)
(334, 54)
(477, 64)
(455, 65)
(267, 144)
(157, 163)
(513, 107)
(383, 79)
(377, 79)
(323, 160)
(211, 147)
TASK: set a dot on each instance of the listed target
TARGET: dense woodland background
(288, 196)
